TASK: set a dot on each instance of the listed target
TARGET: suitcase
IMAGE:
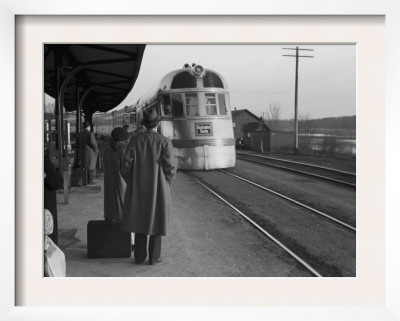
(107, 240)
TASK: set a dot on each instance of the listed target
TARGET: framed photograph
(372, 28)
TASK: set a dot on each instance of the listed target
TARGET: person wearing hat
(88, 151)
(149, 168)
(114, 184)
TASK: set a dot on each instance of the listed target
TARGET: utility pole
(296, 123)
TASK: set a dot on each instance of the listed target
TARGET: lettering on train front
(203, 129)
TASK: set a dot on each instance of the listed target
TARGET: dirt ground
(205, 239)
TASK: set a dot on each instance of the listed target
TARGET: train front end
(195, 106)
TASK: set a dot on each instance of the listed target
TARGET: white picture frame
(389, 310)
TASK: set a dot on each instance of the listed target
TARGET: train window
(212, 80)
(177, 105)
(166, 106)
(222, 104)
(184, 80)
(192, 105)
(126, 119)
(211, 104)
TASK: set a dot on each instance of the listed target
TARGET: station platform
(205, 239)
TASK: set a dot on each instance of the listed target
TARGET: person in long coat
(114, 183)
(88, 151)
(149, 168)
(53, 180)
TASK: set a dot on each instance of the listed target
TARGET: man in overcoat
(149, 168)
(88, 151)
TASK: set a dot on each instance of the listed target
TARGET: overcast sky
(258, 75)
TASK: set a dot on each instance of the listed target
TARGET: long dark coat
(52, 182)
(88, 150)
(149, 167)
(114, 184)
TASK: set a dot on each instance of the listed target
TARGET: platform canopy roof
(104, 74)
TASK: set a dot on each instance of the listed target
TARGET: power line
(296, 123)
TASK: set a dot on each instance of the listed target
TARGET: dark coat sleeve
(53, 180)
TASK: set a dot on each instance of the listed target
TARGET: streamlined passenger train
(196, 115)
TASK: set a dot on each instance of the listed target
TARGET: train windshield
(222, 104)
(166, 106)
(177, 105)
(184, 80)
(192, 105)
(212, 80)
(211, 104)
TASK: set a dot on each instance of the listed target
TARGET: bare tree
(273, 116)
(306, 131)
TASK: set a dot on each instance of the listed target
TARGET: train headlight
(198, 70)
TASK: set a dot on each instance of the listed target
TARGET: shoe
(155, 262)
(138, 262)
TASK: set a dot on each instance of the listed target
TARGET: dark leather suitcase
(107, 240)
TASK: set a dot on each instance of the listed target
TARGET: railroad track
(277, 234)
(320, 172)
(313, 210)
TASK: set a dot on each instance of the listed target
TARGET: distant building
(256, 137)
(240, 118)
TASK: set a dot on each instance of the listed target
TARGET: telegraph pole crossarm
(296, 124)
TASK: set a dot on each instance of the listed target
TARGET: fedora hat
(150, 117)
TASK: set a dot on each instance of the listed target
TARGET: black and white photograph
(200, 160)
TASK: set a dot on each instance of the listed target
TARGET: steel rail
(293, 201)
(301, 172)
(295, 256)
(300, 163)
